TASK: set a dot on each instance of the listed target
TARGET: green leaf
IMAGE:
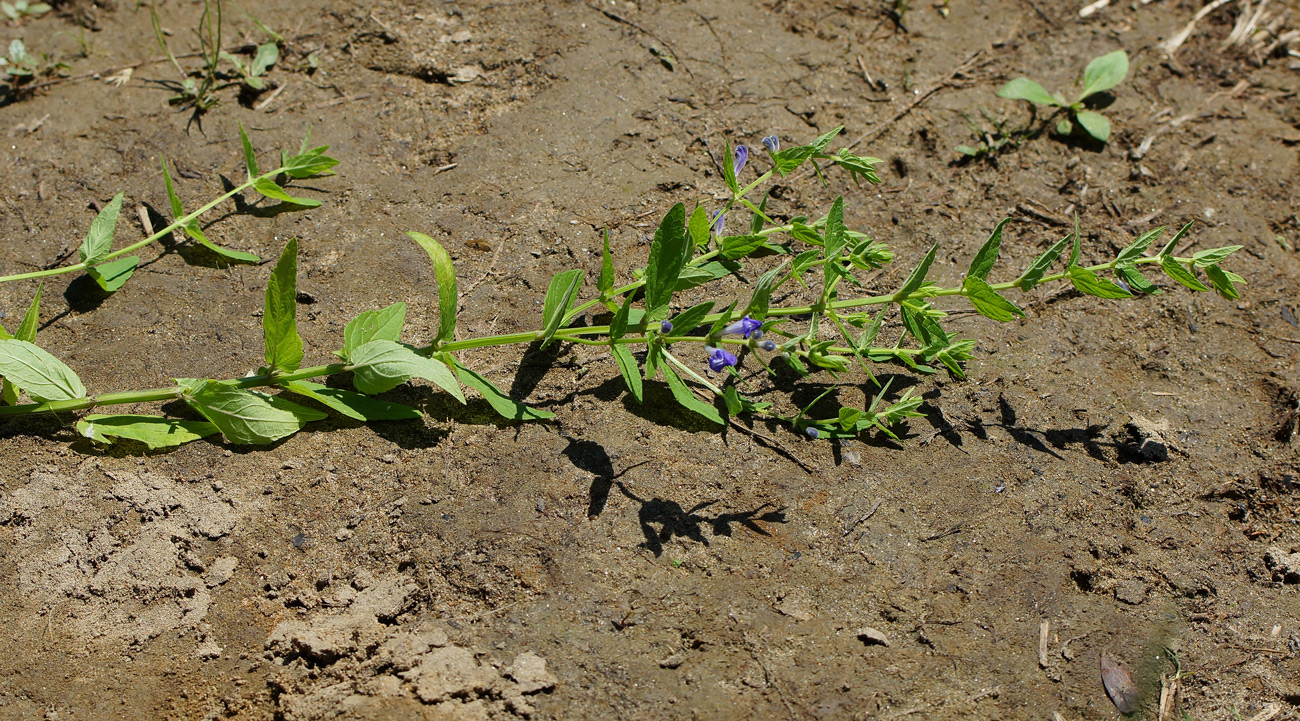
(32, 319)
(1173, 242)
(246, 416)
(873, 330)
(250, 155)
(618, 326)
(756, 219)
(1064, 126)
(280, 314)
(628, 368)
(787, 160)
(559, 298)
(824, 140)
(1104, 73)
(687, 320)
(1213, 256)
(834, 239)
(724, 320)
(385, 324)
(268, 187)
(688, 400)
(1074, 248)
(988, 302)
(1175, 270)
(848, 419)
(154, 432)
(448, 294)
(113, 275)
(917, 277)
(761, 299)
(1135, 280)
(668, 254)
(1096, 124)
(353, 405)
(692, 275)
(1134, 250)
(605, 281)
(504, 405)
(729, 169)
(988, 253)
(99, 239)
(1222, 282)
(804, 261)
(1090, 283)
(1026, 89)
(267, 54)
(196, 233)
(739, 246)
(309, 163)
(968, 151)
(382, 365)
(806, 233)
(699, 228)
(44, 377)
(731, 397)
(1034, 273)
(172, 198)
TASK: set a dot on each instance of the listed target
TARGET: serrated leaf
(1104, 73)
(154, 432)
(988, 302)
(99, 239)
(270, 189)
(1026, 89)
(668, 255)
(504, 405)
(687, 320)
(382, 365)
(353, 405)
(605, 281)
(1175, 270)
(1038, 268)
(834, 239)
(1090, 283)
(917, 276)
(559, 298)
(761, 299)
(1222, 283)
(1094, 123)
(280, 313)
(628, 368)
(250, 155)
(699, 227)
(113, 275)
(1135, 280)
(688, 400)
(1213, 256)
(384, 324)
(448, 294)
(1134, 250)
(246, 416)
(44, 377)
(1173, 242)
(739, 246)
(987, 255)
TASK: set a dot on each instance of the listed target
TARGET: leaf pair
(1103, 73)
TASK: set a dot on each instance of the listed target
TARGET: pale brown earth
(628, 561)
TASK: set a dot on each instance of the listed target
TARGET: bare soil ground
(624, 561)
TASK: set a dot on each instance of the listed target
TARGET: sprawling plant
(696, 350)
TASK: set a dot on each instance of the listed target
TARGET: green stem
(178, 223)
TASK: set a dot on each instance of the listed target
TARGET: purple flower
(718, 218)
(767, 345)
(719, 359)
(772, 143)
(665, 327)
(744, 327)
(742, 154)
(812, 432)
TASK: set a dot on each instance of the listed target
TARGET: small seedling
(695, 350)
(192, 91)
(251, 72)
(21, 9)
(1102, 74)
(991, 137)
(18, 64)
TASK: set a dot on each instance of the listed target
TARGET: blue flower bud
(665, 327)
(767, 345)
(742, 155)
(718, 218)
(772, 143)
(812, 432)
(719, 359)
(757, 335)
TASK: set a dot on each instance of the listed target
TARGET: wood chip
(872, 637)
(1042, 643)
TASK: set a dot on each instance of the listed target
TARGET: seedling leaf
(250, 155)
(605, 281)
(1104, 73)
(1026, 89)
(1094, 123)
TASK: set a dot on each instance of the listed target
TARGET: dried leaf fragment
(1119, 685)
